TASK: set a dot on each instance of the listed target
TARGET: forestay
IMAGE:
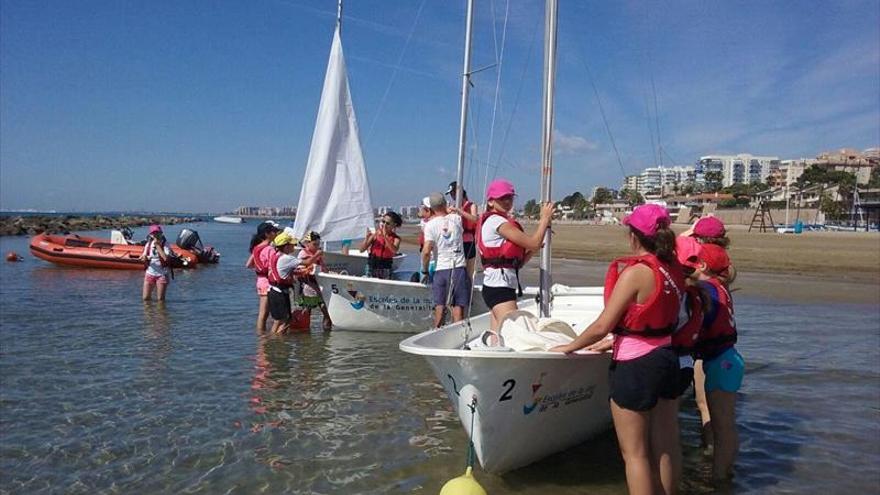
(335, 196)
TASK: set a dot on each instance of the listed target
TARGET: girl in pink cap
(504, 247)
(261, 244)
(642, 303)
(157, 256)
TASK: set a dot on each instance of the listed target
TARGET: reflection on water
(100, 392)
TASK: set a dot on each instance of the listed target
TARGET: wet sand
(840, 267)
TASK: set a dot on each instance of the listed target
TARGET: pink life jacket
(658, 315)
(507, 255)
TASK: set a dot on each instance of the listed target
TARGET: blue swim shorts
(724, 372)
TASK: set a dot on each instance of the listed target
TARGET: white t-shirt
(496, 277)
(287, 263)
(155, 267)
(445, 232)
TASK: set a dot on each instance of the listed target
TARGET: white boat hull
(529, 404)
(354, 263)
(374, 305)
(224, 219)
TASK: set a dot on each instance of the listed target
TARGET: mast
(550, 19)
(465, 89)
(339, 16)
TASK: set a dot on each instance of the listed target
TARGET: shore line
(65, 224)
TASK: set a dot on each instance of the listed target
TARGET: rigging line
(656, 113)
(499, 60)
(650, 129)
(394, 72)
(522, 79)
(604, 118)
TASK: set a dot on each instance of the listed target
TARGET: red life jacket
(507, 255)
(274, 276)
(719, 334)
(383, 247)
(658, 315)
(690, 320)
(261, 269)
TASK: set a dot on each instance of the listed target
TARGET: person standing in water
(260, 243)
(642, 303)
(723, 365)
(469, 219)
(443, 240)
(282, 264)
(157, 256)
(311, 291)
(504, 248)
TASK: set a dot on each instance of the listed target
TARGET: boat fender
(463, 485)
(466, 484)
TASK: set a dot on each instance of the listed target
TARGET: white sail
(335, 196)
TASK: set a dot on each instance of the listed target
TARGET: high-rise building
(736, 169)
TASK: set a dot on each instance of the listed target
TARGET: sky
(205, 106)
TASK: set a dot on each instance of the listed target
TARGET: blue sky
(205, 106)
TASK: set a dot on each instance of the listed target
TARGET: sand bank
(813, 266)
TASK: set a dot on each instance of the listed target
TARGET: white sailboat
(370, 304)
(335, 196)
(526, 405)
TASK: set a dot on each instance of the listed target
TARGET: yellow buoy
(463, 485)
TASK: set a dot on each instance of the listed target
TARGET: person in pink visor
(504, 247)
(157, 257)
(708, 230)
(643, 294)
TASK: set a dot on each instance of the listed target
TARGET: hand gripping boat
(91, 252)
(529, 404)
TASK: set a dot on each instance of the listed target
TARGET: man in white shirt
(443, 239)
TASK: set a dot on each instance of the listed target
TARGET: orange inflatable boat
(90, 252)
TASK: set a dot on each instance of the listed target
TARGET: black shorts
(470, 250)
(494, 296)
(638, 383)
(685, 378)
(279, 305)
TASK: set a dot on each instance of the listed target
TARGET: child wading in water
(722, 364)
(311, 292)
(157, 256)
(261, 246)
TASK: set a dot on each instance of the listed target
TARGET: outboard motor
(189, 240)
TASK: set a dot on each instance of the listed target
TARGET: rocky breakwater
(65, 224)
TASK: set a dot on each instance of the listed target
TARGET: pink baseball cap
(709, 227)
(155, 228)
(648, 218)
(499, 188)
(687, 250)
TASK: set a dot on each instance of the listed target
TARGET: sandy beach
(813, 266)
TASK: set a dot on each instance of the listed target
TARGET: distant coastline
(64, 223)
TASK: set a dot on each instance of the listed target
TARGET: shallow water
(102, 393)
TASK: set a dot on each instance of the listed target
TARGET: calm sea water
(102, 393)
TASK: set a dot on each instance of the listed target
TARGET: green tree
(633, 198)
(531, 208)
(713, 181)
(602, 196)
(832, 209)
(874, 181)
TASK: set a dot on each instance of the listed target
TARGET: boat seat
(76, 243)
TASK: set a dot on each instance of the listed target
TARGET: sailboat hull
(374, 305)
(528, 404)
